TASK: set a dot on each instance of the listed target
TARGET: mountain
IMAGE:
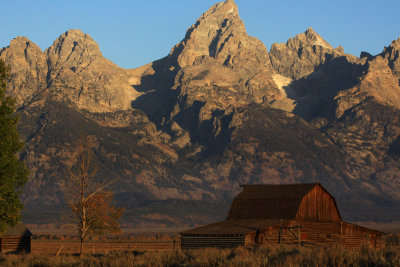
(180, 134)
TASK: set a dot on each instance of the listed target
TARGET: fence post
(299, 235)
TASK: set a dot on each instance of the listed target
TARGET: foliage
(13, 173)
(88, 200)
(103, 215)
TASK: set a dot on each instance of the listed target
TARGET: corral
(304, 214)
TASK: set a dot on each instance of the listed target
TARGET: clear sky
(132, 33)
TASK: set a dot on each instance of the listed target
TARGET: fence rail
(101, 247)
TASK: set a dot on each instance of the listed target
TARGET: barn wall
(356, 236)
(273, 235)
(195, 241)
(15, 244)
(318, 205)
(317, 234)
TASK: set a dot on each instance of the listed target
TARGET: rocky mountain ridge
(72, 68)
(181, 133)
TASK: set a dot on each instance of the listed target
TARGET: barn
(303, 214)
(16, 239)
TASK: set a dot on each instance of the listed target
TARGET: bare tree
(93, 212)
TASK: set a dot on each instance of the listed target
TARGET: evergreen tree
(13, 173)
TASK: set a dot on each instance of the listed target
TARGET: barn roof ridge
(271, 201)
(296, 184)
(19, 229)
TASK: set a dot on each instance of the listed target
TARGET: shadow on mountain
(159, 98)
(394, 148)
(314, 94)
(213, 134)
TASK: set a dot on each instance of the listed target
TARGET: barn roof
(232, 227)
(272, 202)
(18, 230)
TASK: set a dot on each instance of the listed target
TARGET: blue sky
(133, 33)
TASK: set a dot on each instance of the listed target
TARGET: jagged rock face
(302, 54)
(392, 53)
(219, 39)
(220, 66)
(203, 123)
(28, 69)
(354, 101)
(366, 132)
(80, 73)
(220, 33)
(378, 83)
(366, 123)
(72, 70)
(312, 72)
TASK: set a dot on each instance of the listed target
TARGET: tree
(93, 212)
(13, 172)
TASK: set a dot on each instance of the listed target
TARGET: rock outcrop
(301, 55)
(312, 73)
(392, 53)
(220, 67)
(72, 70)
(79, 72)
(218, 53)
(28, 69)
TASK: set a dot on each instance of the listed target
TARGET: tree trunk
(81, 250)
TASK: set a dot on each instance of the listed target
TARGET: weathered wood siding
(318, 205)
(317, 234)
(15, 244)
(355, 236)
(202, 241)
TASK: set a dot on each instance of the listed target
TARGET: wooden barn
(304, 214)
(16, 239)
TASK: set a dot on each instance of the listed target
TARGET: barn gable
(287, 202)
(318, 205)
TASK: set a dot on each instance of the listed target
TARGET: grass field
(69, 247)
(144, 248)
(261, 256)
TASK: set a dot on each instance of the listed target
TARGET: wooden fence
(71, 247)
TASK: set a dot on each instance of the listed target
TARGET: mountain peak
(392, 53)
(310, 37)
(231, 64)
(28, 68)
(20, 44)
(72, 46)
(301, 54)
(74, 32)
(206, 37)
(396, 44)
(20, 41)
(223, 8)
(310, 32)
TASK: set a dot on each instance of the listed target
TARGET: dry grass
(263, 256)
(100, 247)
